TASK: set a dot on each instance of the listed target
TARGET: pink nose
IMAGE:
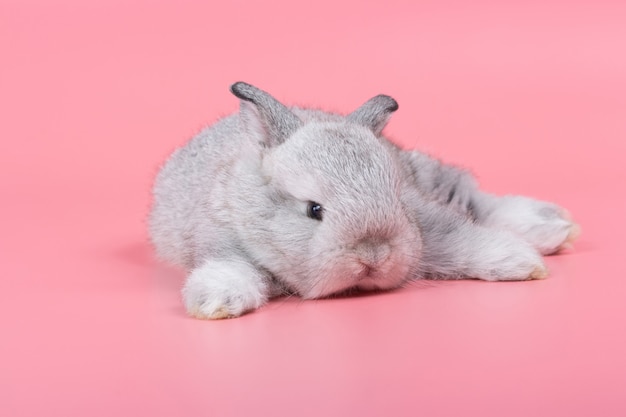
(372, 255)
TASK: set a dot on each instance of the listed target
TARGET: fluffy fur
(231, 206)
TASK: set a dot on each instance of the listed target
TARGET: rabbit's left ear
(374, 113)
(264, 116)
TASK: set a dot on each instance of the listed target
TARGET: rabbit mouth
(365, 272)
(368, 279)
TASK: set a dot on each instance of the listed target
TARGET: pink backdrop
(93, 95)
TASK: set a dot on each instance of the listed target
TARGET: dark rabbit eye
(314, 210)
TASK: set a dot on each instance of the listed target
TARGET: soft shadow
(141, 254)
(138, 253)
(419, 285)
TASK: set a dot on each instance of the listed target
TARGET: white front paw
(546, 226)
(219, 290)
(505, 257)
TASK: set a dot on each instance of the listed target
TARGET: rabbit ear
(374, 113)
(264, 116)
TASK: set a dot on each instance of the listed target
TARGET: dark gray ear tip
(389, 103)
(241, 90)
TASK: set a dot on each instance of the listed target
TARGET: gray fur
(375, 113)
(278, 123)
(231, 207)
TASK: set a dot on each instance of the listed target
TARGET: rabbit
(280, 200)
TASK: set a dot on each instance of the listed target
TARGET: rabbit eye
(314, 210)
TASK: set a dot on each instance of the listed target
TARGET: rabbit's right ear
(264, 116)
(374, 113)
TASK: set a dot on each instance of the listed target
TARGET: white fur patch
(222, 289)
(502, 256)
(544, 225)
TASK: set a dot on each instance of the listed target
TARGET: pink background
(94, 95)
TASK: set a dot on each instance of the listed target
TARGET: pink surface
(94, 95)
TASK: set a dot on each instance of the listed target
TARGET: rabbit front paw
(508, 258)
(219, 290)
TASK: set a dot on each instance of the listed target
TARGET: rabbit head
(331, 215)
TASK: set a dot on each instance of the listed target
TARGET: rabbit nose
(372, 254)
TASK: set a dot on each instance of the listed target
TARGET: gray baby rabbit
(276, 200)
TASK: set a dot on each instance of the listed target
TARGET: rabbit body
(276, 200)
